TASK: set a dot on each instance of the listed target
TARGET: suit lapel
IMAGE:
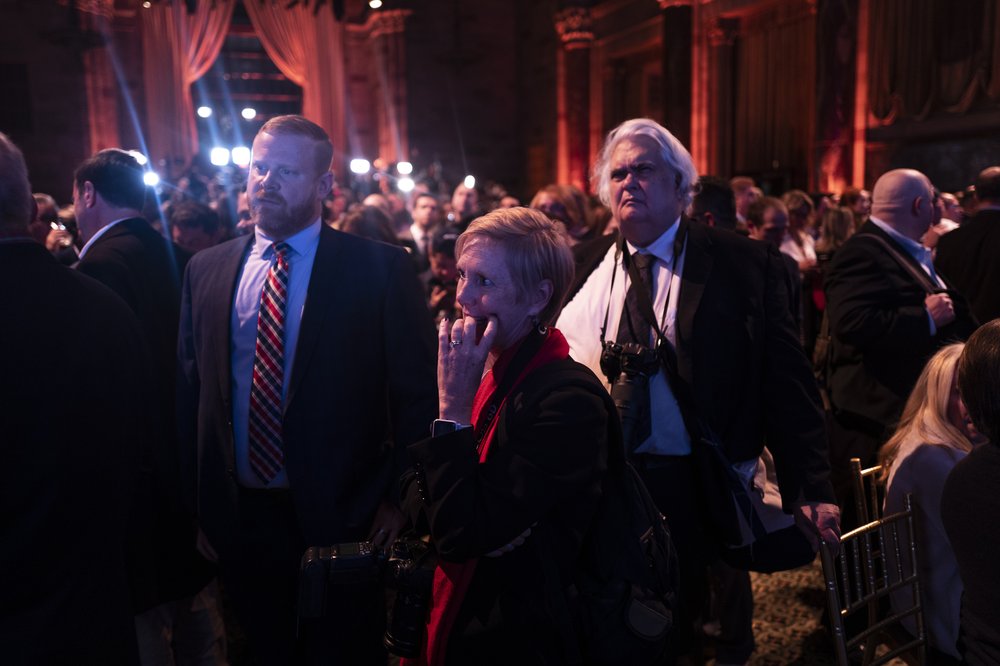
(219, 301)
(321, 297)
(697, 268)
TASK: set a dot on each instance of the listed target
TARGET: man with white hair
(728, 365)
(889, 312)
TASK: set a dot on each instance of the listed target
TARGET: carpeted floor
(788, 611)
(788, 625)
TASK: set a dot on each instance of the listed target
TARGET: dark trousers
(671, 483)
(733, 606)
(260, 576)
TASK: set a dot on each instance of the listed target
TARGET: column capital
(723, 31)
(387, 22)
(105, 8)
(574, 26)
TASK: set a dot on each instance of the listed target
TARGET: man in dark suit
(72, 365)
(889, 312)
(721, 303)
(969, 257)
(123, 251)
(307, 366)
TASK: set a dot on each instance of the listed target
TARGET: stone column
(722, 33)
(677, 54)
(100, 83)
(573, 25)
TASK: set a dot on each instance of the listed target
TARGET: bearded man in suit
(307, 365)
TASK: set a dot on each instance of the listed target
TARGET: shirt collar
(663, 247)
(100, 232)
(302, 242)
(911, 246)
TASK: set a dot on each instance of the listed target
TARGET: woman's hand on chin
(460, 366)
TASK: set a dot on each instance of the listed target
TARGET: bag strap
(920, 276)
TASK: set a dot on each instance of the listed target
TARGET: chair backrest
(869, 494)
(876, 560)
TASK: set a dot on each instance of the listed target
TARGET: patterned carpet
(788, 611)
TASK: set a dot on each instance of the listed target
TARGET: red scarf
(452, 579)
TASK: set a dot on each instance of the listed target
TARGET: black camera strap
(531, 345)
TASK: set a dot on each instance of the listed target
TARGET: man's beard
(284, 222)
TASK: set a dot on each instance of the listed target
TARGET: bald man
(969, 255)
(889, 312)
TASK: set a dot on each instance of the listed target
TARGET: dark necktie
(265, 433)
(634, 327)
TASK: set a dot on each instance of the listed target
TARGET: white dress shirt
(100, 232)
(243, 324)
(582, 318)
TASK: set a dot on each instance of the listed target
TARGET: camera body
(633, 359)
(407, 567)
(410, 572)
(353, 563)
(628, 367)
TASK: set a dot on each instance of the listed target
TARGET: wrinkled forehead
(638, 149)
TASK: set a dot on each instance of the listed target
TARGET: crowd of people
(215, 381)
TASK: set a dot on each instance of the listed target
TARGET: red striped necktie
(265, 436)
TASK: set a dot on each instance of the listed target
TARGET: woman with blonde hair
(933, 435)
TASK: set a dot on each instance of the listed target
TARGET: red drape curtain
(932, 56)
(178, 48)
(775, 93)
(308, 48)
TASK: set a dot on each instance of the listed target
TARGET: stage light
(204, 112)
(139, 157)
(151, 178)
(374, 4)
(470, 181)
(360, 166)
(404, 168)
(241, 156)
(248, 113)
(147, 4)
(219, 156)
(405, 184)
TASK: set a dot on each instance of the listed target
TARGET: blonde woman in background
(934, 433)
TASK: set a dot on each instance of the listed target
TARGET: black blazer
(137, 263)
(880, 331)
(738, 352)
(69, 407)
(362, 386)
(545, 468)
(969, 257)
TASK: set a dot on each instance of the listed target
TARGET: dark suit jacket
(969, 257)
(739, 355)
(136, 262)
(880, 331)
(545, 468)
(72, 363)
(362, 386)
